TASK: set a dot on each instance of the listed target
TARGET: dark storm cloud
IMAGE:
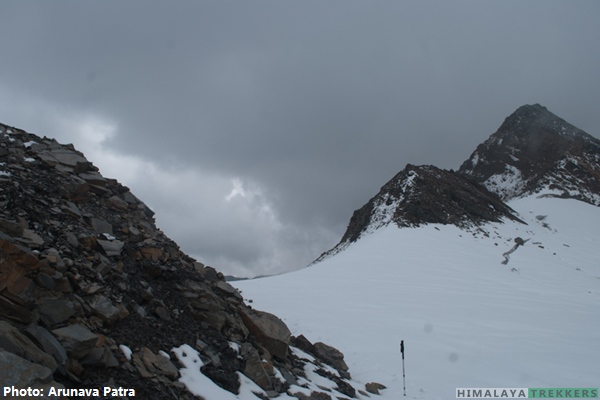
(311, 105)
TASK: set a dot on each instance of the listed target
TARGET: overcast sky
(254, 128)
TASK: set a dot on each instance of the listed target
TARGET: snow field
(466, 319)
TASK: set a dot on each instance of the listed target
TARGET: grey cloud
(315, 103)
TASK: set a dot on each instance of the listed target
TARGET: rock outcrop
(425, 195)
(93, 294)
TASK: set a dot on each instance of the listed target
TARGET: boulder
(33, 237)
(314, 395)
(48, 343)
(72, 240)
(303, 344)
(117, 203)
(20, 373)
(15, 312)
(76, 339)
(330, 355)
(16, 263)
(101, 226)
(62, 156)
(209, 274)
(11, 228)
(270, 331)
(158, 364)
(212, 354)
(166, 367)
(77, 191)
(45, 280)
(163, 313)
(93, 178)
(71, 209)
(254, 368)
(103, 307)
(151, 253)
(227, 288)
(374, 387)
(15, 342)
(130, 198)
(111, 247)
(100, 356)
(15, 254)
(55, 311)
(139, 365)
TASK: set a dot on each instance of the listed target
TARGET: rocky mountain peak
(93, 295)
(425, 194)
(534, 151)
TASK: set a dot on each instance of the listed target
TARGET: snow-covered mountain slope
(420, 195)
(533, 152)
(467, 320)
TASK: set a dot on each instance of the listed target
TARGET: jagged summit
(534, 151)
(425, 194)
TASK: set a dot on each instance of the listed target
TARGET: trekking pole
(403, 376)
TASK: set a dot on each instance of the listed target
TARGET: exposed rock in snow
(534, 151)
(422, 195)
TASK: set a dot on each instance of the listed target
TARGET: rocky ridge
(93, 294)
(420, 195)
(533, 151)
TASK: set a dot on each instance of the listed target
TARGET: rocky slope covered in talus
(86, 277)
(533, 151)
